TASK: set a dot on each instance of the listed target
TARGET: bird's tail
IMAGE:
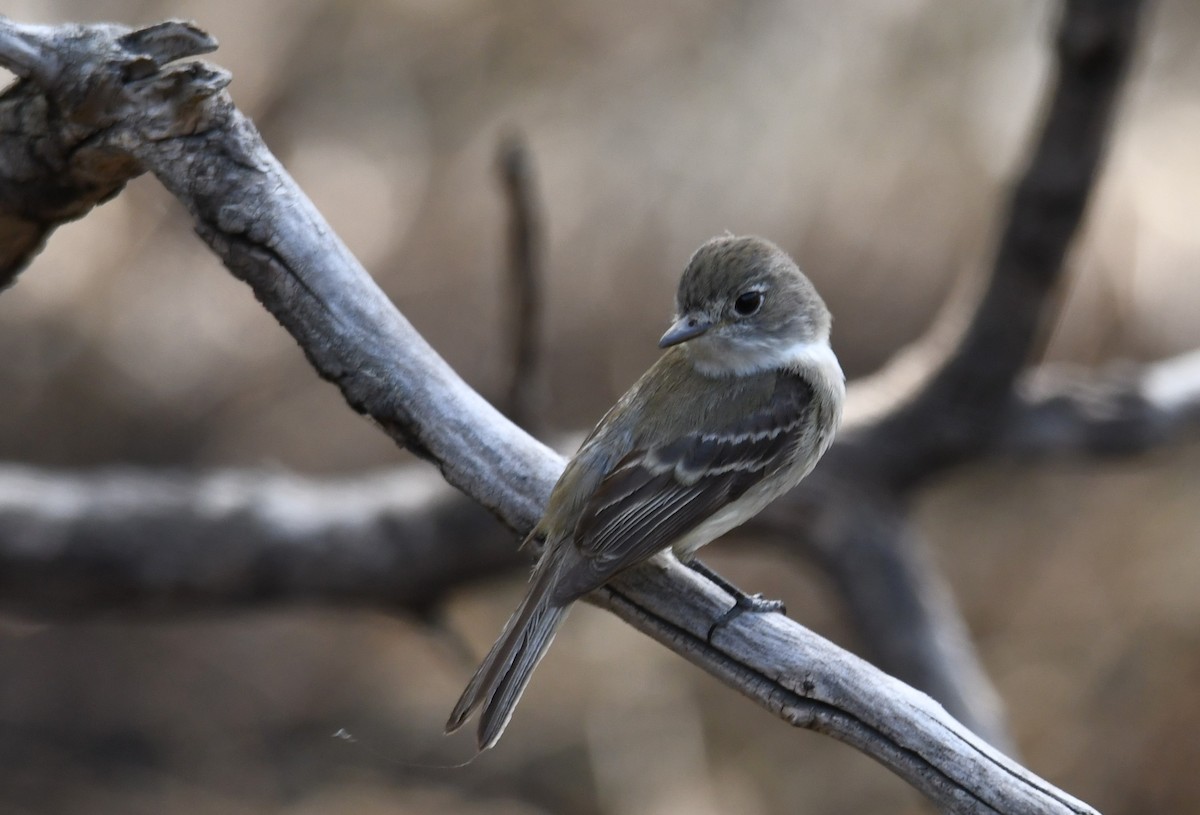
(501, 679)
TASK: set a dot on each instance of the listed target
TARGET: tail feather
(505, 672)
(509, 684)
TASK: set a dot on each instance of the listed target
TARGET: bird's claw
(753, 603)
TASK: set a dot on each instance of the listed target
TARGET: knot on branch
(87, 96)
(98, 76)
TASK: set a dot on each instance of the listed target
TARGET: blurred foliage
(870, 139)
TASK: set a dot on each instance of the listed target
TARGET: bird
(740, 406)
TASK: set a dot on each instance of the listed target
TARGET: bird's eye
(747, 303)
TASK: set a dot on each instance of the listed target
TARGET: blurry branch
(961, 406)
(1130, 410)
(179, 124)
(74, 546)
(523, 401)
(129, 541)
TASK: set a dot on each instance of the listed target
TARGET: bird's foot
(753, 603)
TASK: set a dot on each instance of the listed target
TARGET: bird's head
(743, 306)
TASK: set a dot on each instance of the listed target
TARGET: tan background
(870, 139)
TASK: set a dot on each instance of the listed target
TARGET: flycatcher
(741, 406)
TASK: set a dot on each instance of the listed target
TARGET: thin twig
(514, 163)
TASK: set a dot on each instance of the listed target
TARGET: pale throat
(742, 358)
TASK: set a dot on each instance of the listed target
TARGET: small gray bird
(739, 408)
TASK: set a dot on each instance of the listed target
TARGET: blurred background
(871, 139)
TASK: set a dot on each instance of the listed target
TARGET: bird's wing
(657, 494)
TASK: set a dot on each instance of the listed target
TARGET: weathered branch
(178, 124)
(811, 683)
(51, 171)
(897, 602)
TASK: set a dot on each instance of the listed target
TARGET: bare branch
(1129, 410)
(811, 683)
(962, 404)
(898, 603)
(132, 542)
(523, 401)
(179, 125)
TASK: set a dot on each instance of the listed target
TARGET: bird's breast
(737, 512)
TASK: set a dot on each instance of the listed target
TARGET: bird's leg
(743, 602)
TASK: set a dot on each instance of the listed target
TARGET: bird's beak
(685, 328)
